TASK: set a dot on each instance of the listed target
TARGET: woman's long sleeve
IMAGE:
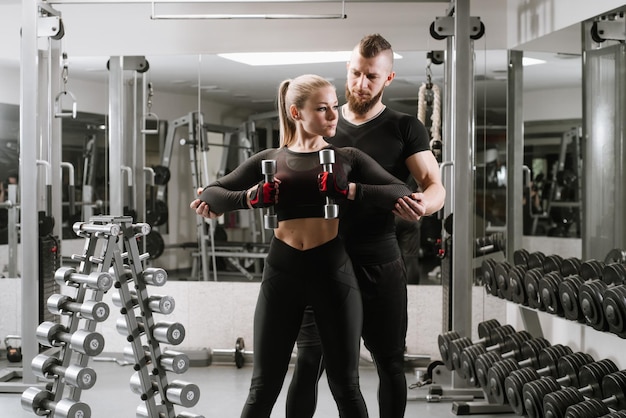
(228, 193)
(375, 186)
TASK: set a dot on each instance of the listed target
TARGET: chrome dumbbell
(268, 168)
(74, 375)
(170, 360)
(41, 403)
(156, 303)
(178, 392)
(164, 332)
(64, 305)
(51, 334)
(68, 276)
(327, 159)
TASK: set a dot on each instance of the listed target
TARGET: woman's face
(319, 114)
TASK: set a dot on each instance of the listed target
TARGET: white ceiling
(182, 53)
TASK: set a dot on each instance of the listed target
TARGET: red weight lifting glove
(264, 196)
(332, 186)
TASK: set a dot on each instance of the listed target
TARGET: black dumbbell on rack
(591, 295)
(486, 334)
(571, 402)
(519, 347)
(502, 339)
(547, 358)
(614, 303)
(587, 381)
(568, 365)
(525, 387)
(569, 289)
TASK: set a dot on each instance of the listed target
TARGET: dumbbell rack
(111, 258)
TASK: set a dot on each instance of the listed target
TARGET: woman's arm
(374, 184)
(230, 192)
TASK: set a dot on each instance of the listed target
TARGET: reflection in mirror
(553, 155)
(9, 162)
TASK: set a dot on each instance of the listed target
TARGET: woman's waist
(307, 233)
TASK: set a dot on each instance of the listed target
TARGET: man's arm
(425, 170)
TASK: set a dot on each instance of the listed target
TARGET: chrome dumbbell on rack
(100, 267)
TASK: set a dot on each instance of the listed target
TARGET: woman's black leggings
(324, 279)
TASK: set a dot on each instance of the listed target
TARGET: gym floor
(223, 390)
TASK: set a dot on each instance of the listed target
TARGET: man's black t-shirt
(389, 138)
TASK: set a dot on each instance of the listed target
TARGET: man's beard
(361, 107)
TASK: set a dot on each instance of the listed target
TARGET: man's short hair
(372, 45)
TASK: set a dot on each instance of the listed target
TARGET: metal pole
(29, 71)
(116, 132)
(514, 156)
(463, 208)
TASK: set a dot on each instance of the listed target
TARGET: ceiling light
(289, 58)
(527, 61)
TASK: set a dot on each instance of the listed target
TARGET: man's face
(367, 79)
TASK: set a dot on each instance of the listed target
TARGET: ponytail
(287, 128)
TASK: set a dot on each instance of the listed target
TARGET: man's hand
(411, 208)
(202, 208)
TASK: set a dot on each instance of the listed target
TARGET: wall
(529, 20)
(553, 104)
(215, 314)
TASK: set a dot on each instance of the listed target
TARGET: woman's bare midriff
(307, 233)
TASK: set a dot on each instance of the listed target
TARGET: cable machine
(237, 144)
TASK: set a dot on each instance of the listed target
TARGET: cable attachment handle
(150, 121)
(58, 106)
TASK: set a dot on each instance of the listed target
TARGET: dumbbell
(531, 288)
(552, 263)
(489, 277)
(544, 359)
(268, 168)
(529, 395)
(142, 412)
(571, 266)
(485, 329)
(83, 229)
(67, 276)
(177, 391)
(569, 289)
(556, 404)
(48, 367)
(515, 291)
(41, 403)
(614, 307)
(526, 388)
(520, 347)
(50, 334)
(541, 295)
(616, 255)
(496, 341)
(165, 332)
(501, 272)
(170, 360)
(549, 292)
(327, 159)
(591, 295)
(154, 276)
(64, 305)
(156, 303)
(614, 303)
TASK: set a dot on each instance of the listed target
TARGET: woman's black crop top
(298, 195)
